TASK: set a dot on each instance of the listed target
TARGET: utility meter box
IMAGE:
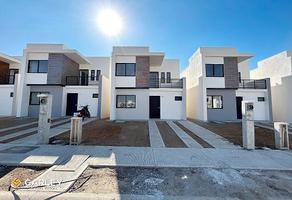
(44, 123)
(76, 130)
(281, 133)
(248, 138)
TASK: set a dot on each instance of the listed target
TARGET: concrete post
(76, 130)
(281, 135)
(44, 118)
(248, 138)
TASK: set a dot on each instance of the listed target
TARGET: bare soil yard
(232, 132)
(6, 122)
(109, 133)
(191, 182)
(7, 174)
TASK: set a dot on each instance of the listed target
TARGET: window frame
(98, 72)
(177, 98)
(30, 95)
(125, 72)
(212, 97)
(213, 70)
(162, 77)
(38, 67)
(92, 75)
(125, 101)
(168, 77)
(263, 99)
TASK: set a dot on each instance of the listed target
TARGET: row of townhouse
(137, 84)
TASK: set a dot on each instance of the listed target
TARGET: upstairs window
(125, 69)
(37, 66)
(168, 77)
(162, 77)
(92, 75)
(97, 74)
(214, 70)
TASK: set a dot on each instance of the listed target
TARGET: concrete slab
(210, 137)
(72, 164)
(189, 141)
(154, 135)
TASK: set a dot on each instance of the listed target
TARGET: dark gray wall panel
(231, 72)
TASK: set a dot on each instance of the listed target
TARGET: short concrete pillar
(44, 123)
(248, 137)
(281, 135)
(76, 130)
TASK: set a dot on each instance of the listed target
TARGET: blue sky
(176, 27)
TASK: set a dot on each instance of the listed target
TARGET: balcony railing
(82, 80)
(172, 83)
(7, 79)
(253, 84)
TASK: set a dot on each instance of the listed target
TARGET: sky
(176, 27)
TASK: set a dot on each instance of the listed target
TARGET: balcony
(252, 84)
(82, 80)
(7, 79)
(173, 83)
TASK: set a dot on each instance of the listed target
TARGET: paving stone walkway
(154, 135)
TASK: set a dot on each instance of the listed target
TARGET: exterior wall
(123, 81)
(98, 63)
(142, 71)
(231, 72)
(104, 98)
(213, 82)
(56, 91)
(60, 66)
(6, 100)
(243, 68)
(84, 98)
(141, 112)
(261, 109)
(36, 78)
(169, 108)
(168, 65)
(228, 112)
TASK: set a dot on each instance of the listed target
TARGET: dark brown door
(238, 107)
(154, 107)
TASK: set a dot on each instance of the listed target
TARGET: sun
(109, 22)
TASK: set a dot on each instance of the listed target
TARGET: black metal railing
(82, 80)
(164, 83)
(7, 79)
(253, 84)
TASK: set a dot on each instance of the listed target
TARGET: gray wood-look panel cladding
(231, 72)
(60, 66)
(142, 71)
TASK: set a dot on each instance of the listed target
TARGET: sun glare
(109, 22)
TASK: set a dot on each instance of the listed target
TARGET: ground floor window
(126, 101)
(34, 99)
(215, 102)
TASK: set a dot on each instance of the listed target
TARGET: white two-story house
(145, 85)
(218, 80)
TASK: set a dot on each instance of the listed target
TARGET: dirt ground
(169, 137)
(7, 174)
(232, 132)
(109, 133)
(6, 122)
(192, 182)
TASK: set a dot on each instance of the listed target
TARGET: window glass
(178, 98)
(92, 75)
(217, 102)
(261, 98)
(33, 66)
(131, 101)
(34, 99)
(218, 70)
(209, 70)
(209, 101)
(168, 77)
(97, 74)
(43, 66)
(94, 95)
(130, 69)
(120, 69)
(121, 101)
(162, 77)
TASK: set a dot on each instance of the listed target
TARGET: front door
(84, 77)
(238, 107)
(154, 107)
(154, 80)
(72, 99)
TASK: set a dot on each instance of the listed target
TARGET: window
(11, 94)
(214, 70)
(168, 77)
(92, 75)
(34, 99)
(162, 77)
(37, 66)
(126, 101)
(261, 98)
(178, 98)
(239, 77)
(94, 95)
(97, 74)
(125, 69)
(215, 102)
